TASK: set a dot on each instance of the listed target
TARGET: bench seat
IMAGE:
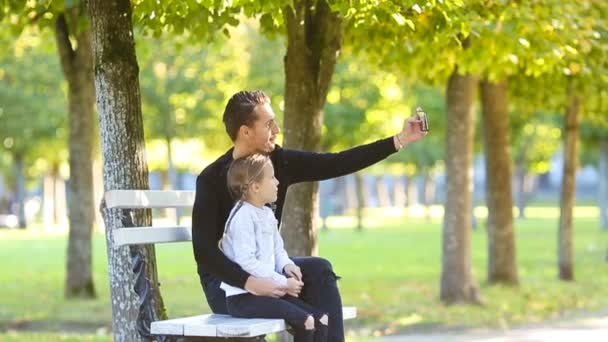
(214, 325)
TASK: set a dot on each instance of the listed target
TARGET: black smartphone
(421, 115)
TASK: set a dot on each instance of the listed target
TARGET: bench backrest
(150, 199)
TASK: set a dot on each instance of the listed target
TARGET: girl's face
(266, 190)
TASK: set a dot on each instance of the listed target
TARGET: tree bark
(457, 282)
(77, 64)
(20, 191)
(568, 193)
(360, 190)
(603, 186)
(133, 276)
(502, 264)
(314, 35)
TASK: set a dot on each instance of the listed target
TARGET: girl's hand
(294, 287)
(292, 270)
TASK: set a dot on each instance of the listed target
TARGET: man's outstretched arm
(304, 166)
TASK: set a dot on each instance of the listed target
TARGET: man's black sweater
(212, 203)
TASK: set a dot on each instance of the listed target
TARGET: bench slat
(144, 199)
(146, 235)
(214, 325)
(349, 312)
(205, 324)
(248, 327)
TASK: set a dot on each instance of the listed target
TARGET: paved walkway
(577, 330)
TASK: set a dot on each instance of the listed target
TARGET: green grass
(390, 271)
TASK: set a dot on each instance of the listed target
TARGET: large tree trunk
(603, 186)
(502, 264)
(314, 35)
(457, 282)
(361, 196)
(123, 148)
(77, 64)
(568, 193)
(20, 191)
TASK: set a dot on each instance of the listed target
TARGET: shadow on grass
(47, 326)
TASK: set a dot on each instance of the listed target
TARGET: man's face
(264, 132)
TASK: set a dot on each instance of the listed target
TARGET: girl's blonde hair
(242, 172)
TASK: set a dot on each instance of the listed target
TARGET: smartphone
(421, 115)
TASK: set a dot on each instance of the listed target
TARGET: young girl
(252, 240)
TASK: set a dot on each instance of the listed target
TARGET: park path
(590, 329)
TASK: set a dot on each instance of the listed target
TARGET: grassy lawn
(390, 271)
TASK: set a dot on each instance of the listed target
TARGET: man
(250, 123)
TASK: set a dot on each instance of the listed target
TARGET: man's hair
(244, 171)
(240, 110)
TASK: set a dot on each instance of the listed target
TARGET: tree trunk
(20, 190)
(172, 175)
(339, 196)
(55, 176)
(603, 186)
(502, 263)
(361, 196)
(406, 187)
(48, 202)
(167, 213)
(399, 194)
(133, 276)
(428, 193)
(568, 193)
(314, 35)
(97, 185)
(411, 192)
(520, 175)
(77, 64)
(384, 200)
(457, 282)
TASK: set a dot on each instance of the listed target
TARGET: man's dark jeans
(320, 290)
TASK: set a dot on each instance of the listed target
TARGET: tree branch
(62, 36)
(328, 44)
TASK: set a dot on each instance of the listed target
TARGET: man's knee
(318, 265)
(309, 324)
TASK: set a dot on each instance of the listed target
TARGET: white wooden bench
(209, 325)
